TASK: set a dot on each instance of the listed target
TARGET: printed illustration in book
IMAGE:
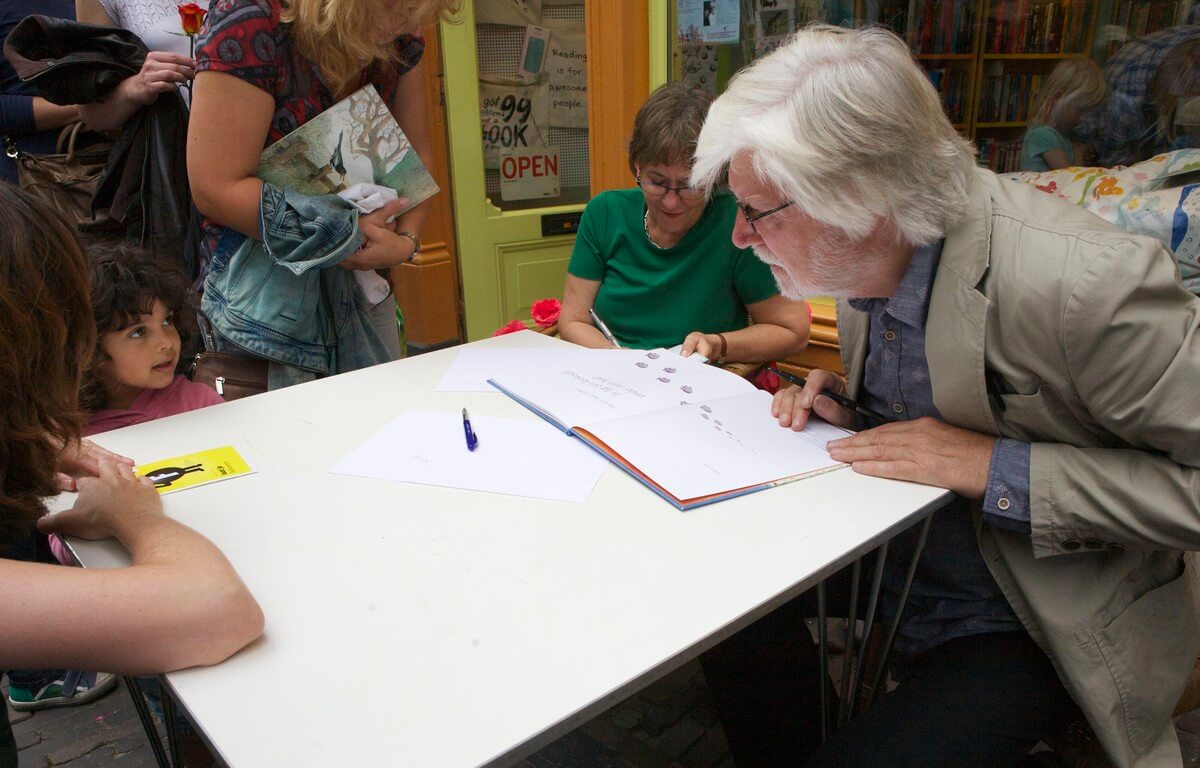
(355, 141)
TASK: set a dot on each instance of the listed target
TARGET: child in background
(143, 316)
(1073, 88)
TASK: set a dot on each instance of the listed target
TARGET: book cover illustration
(190, 470)
(355, 141)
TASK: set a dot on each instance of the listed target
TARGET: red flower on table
(767, 381)
(545, 312)
(191, 16)
(512, 327)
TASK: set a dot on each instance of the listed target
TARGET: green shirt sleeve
(752, 278)
(589, 257)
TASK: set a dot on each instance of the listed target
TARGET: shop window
(533, 100)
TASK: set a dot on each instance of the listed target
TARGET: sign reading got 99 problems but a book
(513, 117)
(529, 173)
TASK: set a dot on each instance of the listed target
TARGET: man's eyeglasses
(655, 189)
(753, 214)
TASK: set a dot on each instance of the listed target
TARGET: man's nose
(744, 235)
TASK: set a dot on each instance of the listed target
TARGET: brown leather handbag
(233, 376)
(67, 179)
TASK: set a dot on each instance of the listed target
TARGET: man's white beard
(836, 267)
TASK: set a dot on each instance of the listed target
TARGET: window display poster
(708, 21)
(698, 66)
(533, 52)
(566, 70)
(513, 117)
(515, 12)
(775, 18)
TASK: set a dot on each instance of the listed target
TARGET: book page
(718, 445)
(472, 366)
(604, 384)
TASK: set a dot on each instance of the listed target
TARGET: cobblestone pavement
(670, 724)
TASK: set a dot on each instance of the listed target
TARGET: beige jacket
(1098, 349)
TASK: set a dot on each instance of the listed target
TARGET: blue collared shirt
(953, 594)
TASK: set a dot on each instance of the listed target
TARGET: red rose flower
(545, 312)
(191, 16)
(511, 327)
(767, 381)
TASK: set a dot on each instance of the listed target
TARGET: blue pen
(472, 440)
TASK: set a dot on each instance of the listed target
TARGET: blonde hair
(847, 126)
(338, 35)
(1077, 82)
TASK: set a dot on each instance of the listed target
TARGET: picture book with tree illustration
(692, 433)
(355, 141)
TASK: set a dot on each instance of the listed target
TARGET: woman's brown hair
(46, 341)
(667, 126)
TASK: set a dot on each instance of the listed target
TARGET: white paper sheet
(516, 457)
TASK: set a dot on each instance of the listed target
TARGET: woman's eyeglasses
(753, 214)
(655, 189)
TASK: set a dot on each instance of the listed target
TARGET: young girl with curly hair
(143, 319)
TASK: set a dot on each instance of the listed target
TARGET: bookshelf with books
(943, 36)
(1023, 40)
(987, 58)
(1138, 18)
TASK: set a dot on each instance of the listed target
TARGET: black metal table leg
(823, 653)
(143, 713)
(891, 635)
(172, 721)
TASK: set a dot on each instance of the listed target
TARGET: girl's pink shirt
(179, 396)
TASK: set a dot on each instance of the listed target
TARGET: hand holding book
(382, 247)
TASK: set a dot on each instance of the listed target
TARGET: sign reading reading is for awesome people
(566, 68)
(513, 118)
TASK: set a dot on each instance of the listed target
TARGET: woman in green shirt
(657, 264)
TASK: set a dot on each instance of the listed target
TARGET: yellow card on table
(193, 469)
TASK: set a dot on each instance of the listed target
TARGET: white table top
(423, 626)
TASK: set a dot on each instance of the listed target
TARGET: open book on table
(692, 433)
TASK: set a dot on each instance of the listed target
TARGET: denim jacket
(283, 297)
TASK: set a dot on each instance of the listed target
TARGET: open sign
(529, 173)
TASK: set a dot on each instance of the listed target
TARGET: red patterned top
(247, 39)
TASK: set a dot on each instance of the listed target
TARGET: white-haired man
(1039, 362)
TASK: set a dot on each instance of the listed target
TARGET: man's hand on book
(793, 405)
(382, 247)
(921, 451)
